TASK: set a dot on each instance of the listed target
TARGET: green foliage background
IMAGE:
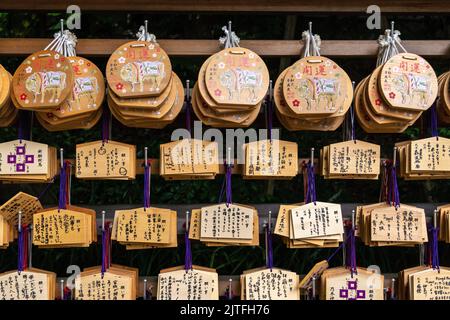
(227, 260)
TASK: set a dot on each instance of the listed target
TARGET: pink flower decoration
(23, 96)
(378, 102)
(119, 86)
(296, 103)
(217, 92)
(392, 95)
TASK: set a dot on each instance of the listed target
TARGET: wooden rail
(285, 6)
(268, 48)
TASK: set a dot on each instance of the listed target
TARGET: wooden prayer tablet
(198, 283)
(8, 113)
(380, 224)
(424, 283)
(138, 69)
(43, 81)
(316, 219)
(27, 204)
(222, 222)
(424, 159)
(315, 273)
(144, 226)
(117, 283)
(353, 159)
(189, 158)
(8, 233)
(443, 101)
(82, 108)
(27, 161)
(270, 284)
(71, 227)
(109, 160)
(444, 223)
(230, 88)
(30, 284)
(317, 86)
(312, 94)
(271, 159)
(195, 229)
(236, 76)
(374, 114)
(340, 284)
(284, 227)
(407, 81)
(149, 111)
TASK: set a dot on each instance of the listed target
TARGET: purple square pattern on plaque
(29, 158)
(20, 167)
(20, 150)
(11, 158)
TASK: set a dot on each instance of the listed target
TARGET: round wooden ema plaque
(5, 86)
(237, 76)
(316, 85)
(377, 103)
(138, 69)
(408, 81)
(88, 90)
(150, 102)
(43, 81)
(446, 91)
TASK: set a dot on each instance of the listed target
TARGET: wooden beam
(291, 6)
(268, 48)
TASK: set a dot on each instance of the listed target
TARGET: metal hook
(435, 218)
(229, 156)
(19, 226)
(394, 157)
(146, 29)
(188, 89)
(103, 220)
(310, 27)
(145, 289)
(269, 223)
(392, 27)
(61, 21)
(187, 220)
(312, 157)
(313, 293)
(61, 282)
(353, 219)
(61, 156)
(392, 288)
(229, 27)
(145, 156)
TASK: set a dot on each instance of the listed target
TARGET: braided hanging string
(147, 183)
(106, 247)
(187, 243)
(63, 185)
(269, 257)
(350, 245)
(389, 44)
(188, 108)
(230, 39)
(433, 247)
(393, 195)
(310, 183)
(433, 120)
(269, 102)
(106, 125)
(144, 35)
(22, 254)
(312, 43)
(64, 42)
(24, 125)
